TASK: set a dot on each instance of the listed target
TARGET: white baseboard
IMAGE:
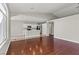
(68, 40)
(17, 38)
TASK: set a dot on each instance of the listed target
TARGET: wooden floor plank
(43, 46)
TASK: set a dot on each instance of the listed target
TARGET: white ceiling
(41, 12)
(35, 7)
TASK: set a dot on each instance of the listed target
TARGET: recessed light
(31, 8)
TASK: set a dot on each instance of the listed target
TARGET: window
(2, 8)
(3, 22)
(1, 17)
(1, 27)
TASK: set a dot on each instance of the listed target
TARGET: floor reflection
(42, 45)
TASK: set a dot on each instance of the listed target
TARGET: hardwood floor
(43, 46)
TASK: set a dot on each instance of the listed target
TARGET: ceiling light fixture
(31, 8)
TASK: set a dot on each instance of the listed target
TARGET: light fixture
(31, 8)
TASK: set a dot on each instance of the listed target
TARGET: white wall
(18, 31)
(67, 28)
(48, 28)
(51, 28)
(44, 29)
